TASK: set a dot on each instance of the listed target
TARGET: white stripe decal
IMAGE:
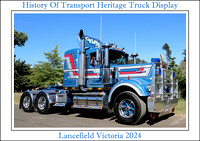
(144, 73)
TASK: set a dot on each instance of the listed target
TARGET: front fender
(135, 84)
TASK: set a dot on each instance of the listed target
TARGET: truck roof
(89, 50)
(72, 51)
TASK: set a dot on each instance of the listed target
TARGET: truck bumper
(159, 105)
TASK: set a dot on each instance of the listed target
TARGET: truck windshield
(118, 57)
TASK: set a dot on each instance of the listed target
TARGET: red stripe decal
(73, 66)
(72, 63)
(129, 72)
(140, 70)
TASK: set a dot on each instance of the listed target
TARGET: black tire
(42, 104)
(26, 103)
(129, 108)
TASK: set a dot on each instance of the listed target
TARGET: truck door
(93, 72)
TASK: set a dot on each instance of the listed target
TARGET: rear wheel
(42, 104)
(129, 108)
(27, 103)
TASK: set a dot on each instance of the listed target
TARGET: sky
(45, 31)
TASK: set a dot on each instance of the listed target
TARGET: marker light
(150, 99)
(152, 95)
(149, 88)
(159, 71)
(174, 74)
(155, 60)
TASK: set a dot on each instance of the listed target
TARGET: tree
(48, 72)
(21, 73)
(172, 63)
(182, 79)
(180, 76)
(184, 53)
(20, 38)
(138, 61)
(179, 70)
(183, 62)
(183, 66)
(170, 60)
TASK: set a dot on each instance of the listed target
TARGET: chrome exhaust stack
(134, 55)
(82, 61)
(106, 75)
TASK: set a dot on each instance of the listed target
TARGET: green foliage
(180, 71)
(167, 49)
(21, 73)
(172, 63)
(170, 60)
(183, 66)
(49, 72)
(138, 61)
(20, 38)
(184, 53)
(180, 76)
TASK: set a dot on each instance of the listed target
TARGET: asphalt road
(88, 118)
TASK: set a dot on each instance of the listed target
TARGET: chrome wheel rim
(42, 103)
(26, 102)
(126, 108)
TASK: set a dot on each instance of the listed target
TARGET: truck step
(90, 94)
(88, 106)
(92, 100)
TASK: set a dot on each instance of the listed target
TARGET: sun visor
(90, 42)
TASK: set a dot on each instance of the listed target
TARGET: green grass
(17, 97)
(181, 106)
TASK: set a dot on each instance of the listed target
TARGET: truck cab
(120, 69)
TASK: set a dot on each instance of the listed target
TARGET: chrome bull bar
(164, 92)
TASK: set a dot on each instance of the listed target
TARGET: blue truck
(99, 76)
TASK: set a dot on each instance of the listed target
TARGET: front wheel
(42, 104)
(129, 108)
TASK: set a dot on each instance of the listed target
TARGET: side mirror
(98, 56)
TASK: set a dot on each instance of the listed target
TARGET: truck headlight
(149, 88)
